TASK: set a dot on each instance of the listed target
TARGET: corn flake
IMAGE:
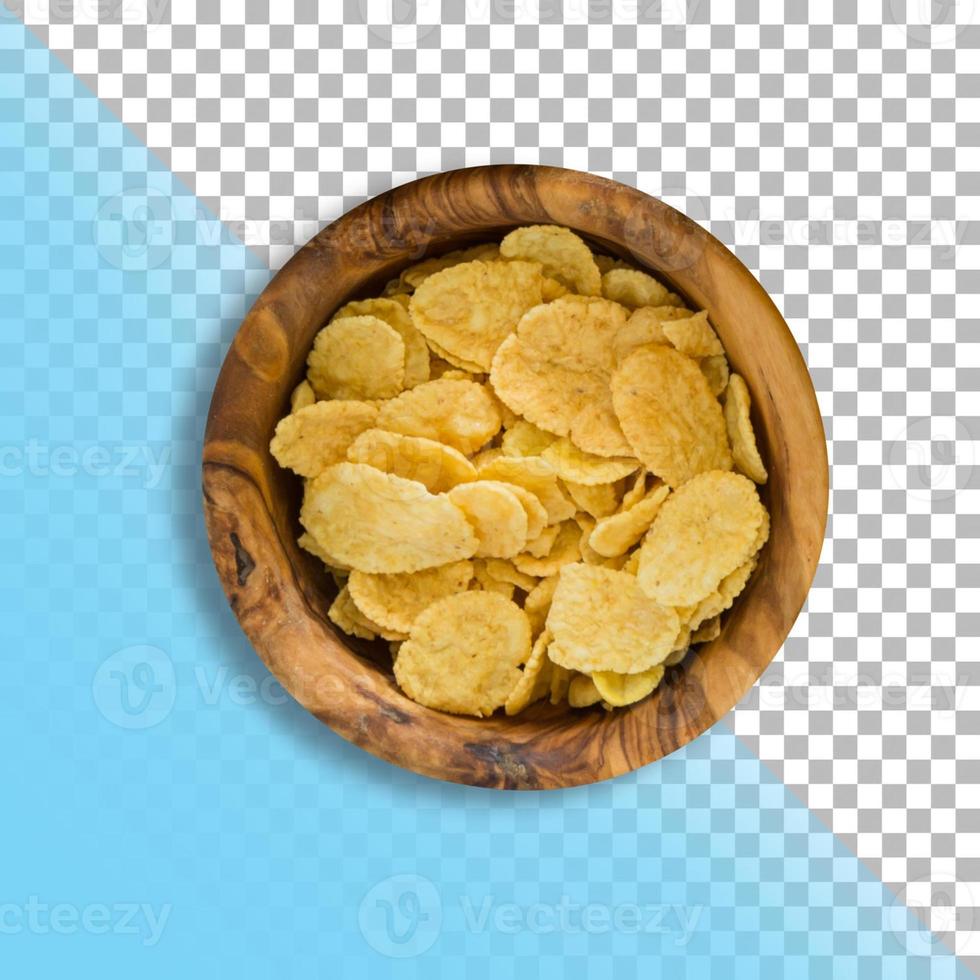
(601, 620)
(616, 534)
(470, 309)
(619, 690)
(438, 466)
(497, 516)
(744, 449)
(555, 371)
(310, 439)
(357, 357)
(394, 601)
(395, 314)
(460, 414)
(693, 336)
(378, 522)
(464, 652)
(563, 255)
(703, 531)
(671, 419)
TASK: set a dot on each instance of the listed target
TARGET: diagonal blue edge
(166, 809)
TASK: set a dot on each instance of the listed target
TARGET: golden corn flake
(599, 501)
(395, 601)
(357, 357)
(538, 602)
(551, 289)
(470, 309)
(561, 252)
(415, 275)
(541, 545)
(582, 692)
(485, 456)
(762, 535)
(464, 653)
(378, 522)
(458, 413)
(601, 620)
(694, 336)
(564, 551)
(504, 571)
(526, 439)
(619, 690)
(704, 531)
(308, 543)
(715, 369)
(302, 396)
(571, 463)
(634, 289)
(561, 678)
(457, 363)
(535, 682)
(632, 564)
(343, 614)
(733, 583)
(607, 262)
(438, 466)
(310, 439)
(709, 630)
(482, 579)
(616, 534)
(671, 419)
(537, 516)
(555, 371)
(645, 326)
(496, 515)
(395, 314)
(636, 492)
(534, 474)
(740, 432)
(722, 598)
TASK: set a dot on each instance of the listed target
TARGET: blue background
(150, 762)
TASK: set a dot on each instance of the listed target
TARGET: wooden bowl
(281, 594)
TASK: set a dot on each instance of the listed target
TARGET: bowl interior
(281, 593)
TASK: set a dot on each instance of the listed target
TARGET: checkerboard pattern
(833, 146)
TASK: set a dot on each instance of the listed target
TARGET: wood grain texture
(281, 594)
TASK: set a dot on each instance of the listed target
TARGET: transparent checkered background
(838, 158)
